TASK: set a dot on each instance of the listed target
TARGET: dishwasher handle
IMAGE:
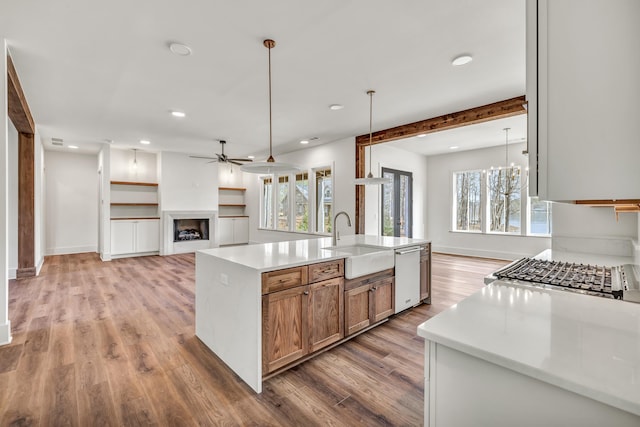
(407, 250)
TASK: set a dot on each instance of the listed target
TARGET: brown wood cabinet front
(326, 270)
(326, 313)
(279, 280)
(425, 274)
(368, 300)
(285, 331)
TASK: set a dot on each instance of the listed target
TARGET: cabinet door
(122, 237)
(147, 235)
(585, 107)
(240, 230)
(425, 274)
(285, 336)
(226, 231)
(357, 304)
(383, 299)
(326, 313)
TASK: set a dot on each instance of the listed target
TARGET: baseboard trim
(39, 266)
(479, 253)
(5, 333)
(12, 273)
(105, 257)
(71, 250)
(23, 273)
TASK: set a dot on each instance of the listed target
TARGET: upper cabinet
(583, 84)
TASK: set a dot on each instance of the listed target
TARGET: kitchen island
(518, 355)
(232, 283)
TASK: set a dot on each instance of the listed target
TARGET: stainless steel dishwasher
(407, 293)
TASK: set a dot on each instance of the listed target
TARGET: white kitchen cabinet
(234, 230)
(131, 237)
(583, 68)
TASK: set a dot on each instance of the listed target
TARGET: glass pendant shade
(370, 179)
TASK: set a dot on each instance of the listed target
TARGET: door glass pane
(302, 201)
(267, 203)
(388, 204)
(324, 200)
(504, 200)
(405, 203)
(283, 203)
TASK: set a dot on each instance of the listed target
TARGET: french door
(397, 203)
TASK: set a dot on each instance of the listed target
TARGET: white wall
(104, 214)
(230, 176)
(342, 154)
(71, 202)
(122, 165)
(39, 215)
(5, 325)
(439, 201)
(388, 156)
(12, 147)
(186, 183)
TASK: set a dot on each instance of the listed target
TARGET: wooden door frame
(20, 116)
(497, 110)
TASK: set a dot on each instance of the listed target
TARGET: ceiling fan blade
(234, 162)
(203, 157)
(241, 160)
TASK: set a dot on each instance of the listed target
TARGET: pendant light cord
(270, 118)
(371, 92)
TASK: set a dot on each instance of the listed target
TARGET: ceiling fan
(221, 157)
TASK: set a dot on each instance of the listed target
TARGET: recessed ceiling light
(304, 141)
(422, 135)
(251, 157)
(453, 147)
(336, 107)
(180, 49)
(461, 60)
(75, 147)
(145, 142)
(178, 114)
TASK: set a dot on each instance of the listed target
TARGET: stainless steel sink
(361, 260)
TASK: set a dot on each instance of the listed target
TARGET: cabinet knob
(306, 292)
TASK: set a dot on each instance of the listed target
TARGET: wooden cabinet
(234, 230)
(425, 273)
(299, 318)
(582, 85)
(368, 300)
(326, 313)
(134, 237)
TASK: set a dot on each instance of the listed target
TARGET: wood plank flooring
(112, 344)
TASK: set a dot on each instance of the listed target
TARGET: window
(467, 201)
(324, 200)
(397, 203)
(283, 203)
(266, 216)
(302, 201)
(495, 201)
(504, 200)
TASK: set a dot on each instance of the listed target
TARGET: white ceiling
(93, 71)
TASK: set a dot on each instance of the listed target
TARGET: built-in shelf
(234, 223)
(133, 204)
(231, 205)
(133, 218)
(232, 189)
(145, 184)
(233, 216)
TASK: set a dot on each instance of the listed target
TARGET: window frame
(454, 206)
(312, 200)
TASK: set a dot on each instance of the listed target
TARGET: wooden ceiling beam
(497, 110)
(19, 112)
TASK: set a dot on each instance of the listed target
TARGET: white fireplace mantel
(169, 247)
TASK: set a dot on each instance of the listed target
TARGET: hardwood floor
(112, 343)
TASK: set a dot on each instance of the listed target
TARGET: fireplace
(190, 229)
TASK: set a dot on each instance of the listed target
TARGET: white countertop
(585, 344)
(274, 256)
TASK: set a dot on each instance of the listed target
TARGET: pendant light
(370, 179)
(270, 165)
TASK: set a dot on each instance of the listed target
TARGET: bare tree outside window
(504, 200)
(468, 193)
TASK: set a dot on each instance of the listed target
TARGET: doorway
(397, 203)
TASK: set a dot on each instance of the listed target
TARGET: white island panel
(228, 315)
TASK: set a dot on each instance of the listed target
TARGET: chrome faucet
(335, 236)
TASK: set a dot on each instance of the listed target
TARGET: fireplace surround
(188, 231)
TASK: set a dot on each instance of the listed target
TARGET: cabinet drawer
(278, 280)
(326, 270)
